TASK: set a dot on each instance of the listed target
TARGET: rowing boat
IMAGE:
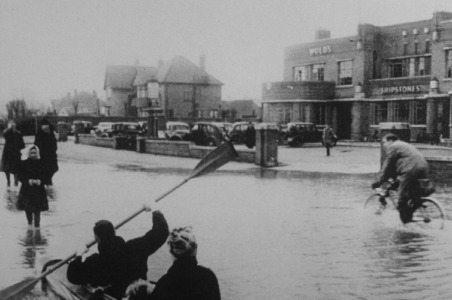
(57, 284)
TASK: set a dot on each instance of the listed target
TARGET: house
(81, 103)
(177, 88)
(396, 73)
(240, 109)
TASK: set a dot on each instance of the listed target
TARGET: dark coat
(31, 198)
(186, 280)
(119, 263)
(14, 142)
(250, 137)
(406, 164)
(47, 144)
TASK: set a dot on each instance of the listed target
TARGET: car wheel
(297, 142)
(175, 138)
(211, 142)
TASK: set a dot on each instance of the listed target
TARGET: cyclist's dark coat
(120, 263)
(406, 164)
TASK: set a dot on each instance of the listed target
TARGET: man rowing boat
(118, 263)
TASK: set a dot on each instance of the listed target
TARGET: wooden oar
(212, 161)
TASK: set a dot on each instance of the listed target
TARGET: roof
(120, 77)
(181, 70)
(144, 75)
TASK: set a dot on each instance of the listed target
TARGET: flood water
(265, 234)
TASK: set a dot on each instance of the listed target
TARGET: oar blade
(215, 159)
(19, 290)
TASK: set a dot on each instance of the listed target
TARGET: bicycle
(428, 211)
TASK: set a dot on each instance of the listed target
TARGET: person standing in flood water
(328, 138)
(32, 195)
(47, 143)
(14, 142)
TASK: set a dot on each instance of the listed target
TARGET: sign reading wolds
(402, 89)
(320, 50)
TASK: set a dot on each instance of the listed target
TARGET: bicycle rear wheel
(430, 214)
(373, 203)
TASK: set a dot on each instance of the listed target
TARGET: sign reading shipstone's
(320, 50)
(401, 89)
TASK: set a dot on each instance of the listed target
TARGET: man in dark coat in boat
(118, 263)
(185, 279)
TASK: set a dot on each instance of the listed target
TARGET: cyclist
(404, 163)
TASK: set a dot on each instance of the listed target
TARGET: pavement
(345, 158)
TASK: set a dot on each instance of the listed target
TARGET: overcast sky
(51, 47)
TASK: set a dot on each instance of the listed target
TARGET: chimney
(202, 62)
(322, 34)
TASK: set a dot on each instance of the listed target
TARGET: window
(345, 72)
(300, 73)
(171, 113)
(395, 68)
(449, 63)
(200, 113)
(214, 114)
(141, 91)
(381, 112)
(405, 48)
(314, 72)
(420, 112)
(427, 46)
(416, 47)
(401, 111)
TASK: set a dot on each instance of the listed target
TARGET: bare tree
(16, 108)
(75, 106)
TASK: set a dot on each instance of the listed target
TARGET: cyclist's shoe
(380, 209)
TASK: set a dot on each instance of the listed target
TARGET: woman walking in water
(14, 142)
(32, 195)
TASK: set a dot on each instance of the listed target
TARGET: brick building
(397, 73)
(178, 87)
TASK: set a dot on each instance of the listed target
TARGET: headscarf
(182, 242)
(104, 230)
(25, 152)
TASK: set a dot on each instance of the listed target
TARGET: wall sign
(402, 89)
(320, 50)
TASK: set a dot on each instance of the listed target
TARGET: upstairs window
(314, 72)
(427, 46)
(449, 63)
(396, 68)
(345, 72)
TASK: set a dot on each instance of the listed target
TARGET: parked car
(85, 126)
(205, 134)
(127, 129)
(104, 127)
(224, 128)
(175, 131)
(143, 126)
(299, 133)
(237, 134)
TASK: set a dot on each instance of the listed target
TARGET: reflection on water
(11, 199)
(265, 233)
(32, 242)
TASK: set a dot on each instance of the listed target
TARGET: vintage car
(204, 134)
(129, 129)
(237, 134)
(299, 133)
(175, 131)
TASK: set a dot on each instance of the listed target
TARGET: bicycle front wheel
(430, 214)
(373, 203)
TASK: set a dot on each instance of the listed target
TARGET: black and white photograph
(242, 149)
